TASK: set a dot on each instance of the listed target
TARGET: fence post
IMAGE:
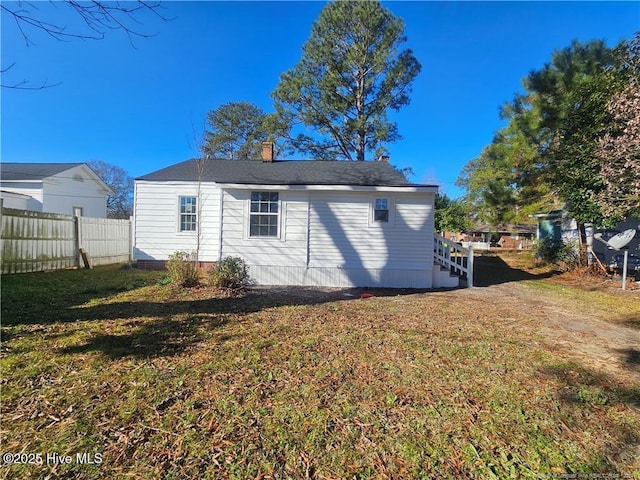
(131, 238)
(624, 269)
(77, 234)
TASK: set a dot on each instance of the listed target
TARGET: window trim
(181, 214)
(278, 215)
(390, 222)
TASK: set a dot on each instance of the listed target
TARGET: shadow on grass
(164, 337)
(252, 300)
(630, 358)
(165, 327)
(492, 270)
(40, 298)
(631, 321)
(587, 396)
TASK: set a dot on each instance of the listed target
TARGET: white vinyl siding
(72, 188)
(60, 193)
(31, 192)
(157, 222)
(341, 236)
(325, 237)
(288, 249)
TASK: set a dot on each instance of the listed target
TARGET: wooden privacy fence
(36, 241)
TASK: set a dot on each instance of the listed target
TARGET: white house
(66, 188)
(322, 223)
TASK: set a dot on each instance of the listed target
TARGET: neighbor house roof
(21, 172)
(283, 172)
(15, 194)
(33, 171)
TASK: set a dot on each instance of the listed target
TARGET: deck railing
(455, 257)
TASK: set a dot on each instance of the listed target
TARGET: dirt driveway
(580, 317)
(573, 329)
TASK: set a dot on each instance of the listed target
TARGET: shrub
(548, 249)
(555, 250)
(183, 269)
(230, 272)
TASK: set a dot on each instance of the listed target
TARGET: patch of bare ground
(580, 315)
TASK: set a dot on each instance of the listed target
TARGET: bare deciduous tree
(120, 204)
(92, 21)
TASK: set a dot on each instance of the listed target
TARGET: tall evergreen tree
(503, 184)
(572, 136)
(353, 70)
(563, 114)
(450, 215)
(237, 130)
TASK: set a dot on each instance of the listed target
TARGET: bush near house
(230, 272)
(183, 269)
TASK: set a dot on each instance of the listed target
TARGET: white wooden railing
(455, 257)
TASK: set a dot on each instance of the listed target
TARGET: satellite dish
(621, 240)
(618, 242)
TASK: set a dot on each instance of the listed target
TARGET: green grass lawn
(195, 383)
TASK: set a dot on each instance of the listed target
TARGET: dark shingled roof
(33, 171)
(283, 172)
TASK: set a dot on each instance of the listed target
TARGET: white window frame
(187, 213)
(277, 215)
(390, 210)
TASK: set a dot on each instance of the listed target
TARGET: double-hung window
(263, 215)
(188, 214)
(381, 210)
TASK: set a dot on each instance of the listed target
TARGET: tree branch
(23, 85)
(99, 17)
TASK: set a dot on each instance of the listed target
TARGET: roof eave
(329, 187)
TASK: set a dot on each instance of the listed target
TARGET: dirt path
(574, 330)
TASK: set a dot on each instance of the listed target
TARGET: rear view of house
(321, 223)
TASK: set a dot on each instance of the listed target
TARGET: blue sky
(142, 108)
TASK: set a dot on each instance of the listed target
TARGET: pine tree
(352, 72)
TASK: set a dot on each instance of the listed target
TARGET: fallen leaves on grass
(302, 383)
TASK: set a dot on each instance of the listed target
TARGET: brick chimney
(267, 151)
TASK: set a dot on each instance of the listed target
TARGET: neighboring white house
(322, 223)
(67, 188)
